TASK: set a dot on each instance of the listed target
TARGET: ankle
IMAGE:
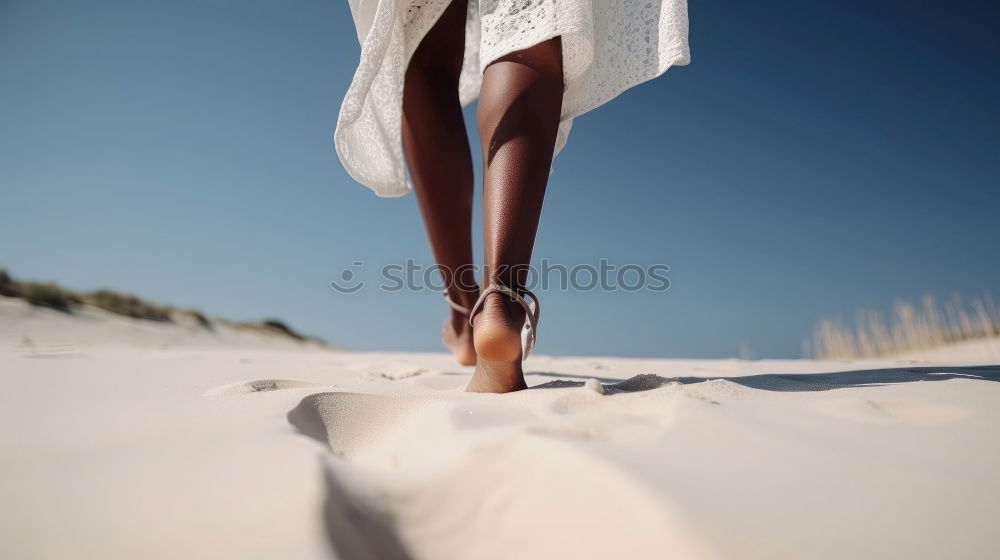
(459, 322)
(500, 308)
(466, 297)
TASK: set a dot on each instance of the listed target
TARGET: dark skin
(518, 115)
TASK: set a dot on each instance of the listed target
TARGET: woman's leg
(519, 107)
(437, 151)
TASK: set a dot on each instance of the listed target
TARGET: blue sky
(815, 158)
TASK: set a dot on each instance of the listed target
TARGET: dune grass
(51, 295)
(127, 305)
(41, 294)
(46, 294)
(275, 327)
(910, 327)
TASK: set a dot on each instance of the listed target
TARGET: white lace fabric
(608, 46)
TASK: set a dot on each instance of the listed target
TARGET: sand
(160, 446)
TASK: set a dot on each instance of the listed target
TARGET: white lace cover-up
(608, 46)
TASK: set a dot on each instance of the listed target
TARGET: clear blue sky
(816, 157)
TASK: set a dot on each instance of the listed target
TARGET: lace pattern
(608, 47)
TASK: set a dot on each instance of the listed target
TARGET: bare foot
(456, 334)
(497, 340)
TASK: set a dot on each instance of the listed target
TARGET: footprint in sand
(396, 373)
(392, 370)
(408, 473)
(920, 413)
(908, 411)
(351, 422)
(256, 386)
(593, 391)
(377, 430)
(372, 428)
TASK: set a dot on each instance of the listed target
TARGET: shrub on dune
(46, 295)
(128, 305)
(6, 284)
(276, 325)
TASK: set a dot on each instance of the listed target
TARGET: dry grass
(127, 305)
(910, 327)
(274, 327)
(47, 294)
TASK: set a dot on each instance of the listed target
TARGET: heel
(496, 343)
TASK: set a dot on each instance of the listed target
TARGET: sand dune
(52, 332)
(142, 449)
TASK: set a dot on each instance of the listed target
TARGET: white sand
(159, 446)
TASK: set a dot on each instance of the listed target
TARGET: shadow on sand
(354, 528)
(789, 381)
